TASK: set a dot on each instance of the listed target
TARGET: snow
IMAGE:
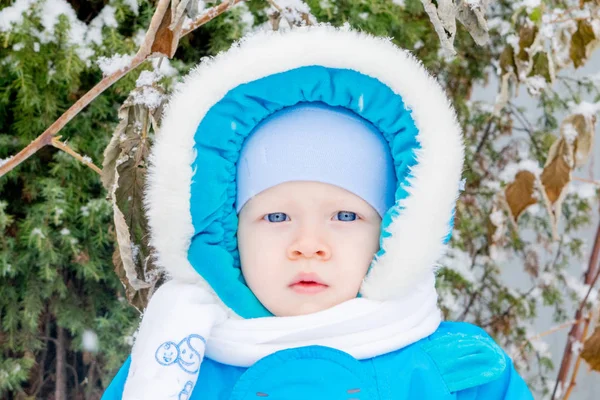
(497, 218)
(80, 35)
(576, 347)
(492, 185)
(418, 44)
(129, 340)
(293, 11)
(529, 4)
(364, 16)
(498, 254)
(473, 3)
(113, 64)
(86, 159)
(165, 68)
(89, 341)
(85, 211)
(37, 232)
(36, 47)
(459, 262)
(294, 4)
(547, 279)
(585, 108)
(401, 2)
(510, 171)
(246, 17)
(18, 46)
(149, 97)
(581, 289)
(147, 78)
(65, 232)
(105, 18)
(449, 301)
(500, 24)
(513, 40)
(536, 84)
(585, 191)
(569, 133)
(325, 4)
(5, 160)
(13, 15)
(134, 6)
(139, 37)
(533, 209)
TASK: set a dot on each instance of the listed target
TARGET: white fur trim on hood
(418, 232)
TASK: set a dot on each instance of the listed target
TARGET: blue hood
(215, 131)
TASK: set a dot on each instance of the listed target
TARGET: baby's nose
(309, 248)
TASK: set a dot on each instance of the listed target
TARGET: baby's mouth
(307, 287)
(308, 283)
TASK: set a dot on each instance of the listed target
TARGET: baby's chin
(294, 309)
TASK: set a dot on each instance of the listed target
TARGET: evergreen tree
(66, 315)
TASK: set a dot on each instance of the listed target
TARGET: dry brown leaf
(165, 29)
(519, 194)
(591, 350)
(123, 175)
(527, 35)
(507, 60)
(584, 128)
(557, 171)
(167, 35)
(582, 42)
(542, 66)
(473, 18)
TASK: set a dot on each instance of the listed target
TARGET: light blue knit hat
(316, 142)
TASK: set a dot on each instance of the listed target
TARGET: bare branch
(65, 147)
(145, 52)
(576, 333)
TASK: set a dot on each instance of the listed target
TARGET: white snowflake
(37, 232)
(89, 341)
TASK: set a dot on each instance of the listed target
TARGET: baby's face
(306, 246)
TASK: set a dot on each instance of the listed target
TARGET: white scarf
(360, 327)
(180, 318)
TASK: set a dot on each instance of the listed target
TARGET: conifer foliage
(76, 269)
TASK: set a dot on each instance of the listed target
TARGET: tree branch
(578, 362)
(576, 333)
(64, 147)
(46, 138)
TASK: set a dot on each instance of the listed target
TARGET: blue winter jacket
(458, 362)
(191, 212)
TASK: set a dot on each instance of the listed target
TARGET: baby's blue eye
(277, 217)
(346, 216)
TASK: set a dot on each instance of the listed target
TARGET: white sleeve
(169, 348)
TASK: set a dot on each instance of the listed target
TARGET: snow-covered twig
(83, 159)
(578, 362)
(551, 331)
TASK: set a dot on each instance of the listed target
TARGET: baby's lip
(308, 277)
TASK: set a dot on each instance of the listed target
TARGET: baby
(301, 190)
